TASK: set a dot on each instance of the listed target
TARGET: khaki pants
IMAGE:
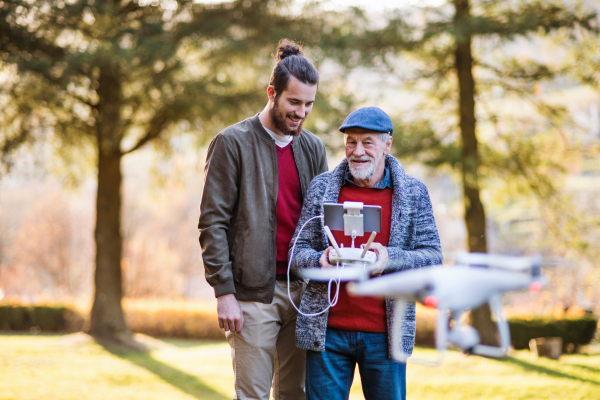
(265, 351)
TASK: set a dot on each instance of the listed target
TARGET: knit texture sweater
(414, 243)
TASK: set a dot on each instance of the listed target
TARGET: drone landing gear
(463, 336)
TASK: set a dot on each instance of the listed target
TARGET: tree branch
(155, 128)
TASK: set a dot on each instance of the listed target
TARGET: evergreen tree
(114, 75)
(462, 57)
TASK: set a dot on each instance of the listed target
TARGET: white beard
(364, 171)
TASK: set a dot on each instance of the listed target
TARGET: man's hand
(382, 258)
(229, 313)
(324, 260)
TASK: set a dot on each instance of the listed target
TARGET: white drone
(476, 278)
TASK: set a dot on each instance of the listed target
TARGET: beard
(363, 171)
(279, 119)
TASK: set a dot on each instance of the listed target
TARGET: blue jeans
(329, 374)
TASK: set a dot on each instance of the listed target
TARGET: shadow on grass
(544, 370)
(183, 381)
(587, 367)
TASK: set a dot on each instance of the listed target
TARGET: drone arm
(398, 353)
(503, 331)
(441, 331)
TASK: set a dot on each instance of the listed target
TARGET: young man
(357, 330)
(257, 172)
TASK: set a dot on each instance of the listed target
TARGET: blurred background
(106, 111)
(107, 107)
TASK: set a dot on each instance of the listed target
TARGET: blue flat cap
(371, 118)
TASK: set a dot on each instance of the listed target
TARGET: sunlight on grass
(76, 367)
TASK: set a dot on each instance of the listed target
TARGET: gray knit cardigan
(413, 243)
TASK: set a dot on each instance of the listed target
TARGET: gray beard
(362, 172)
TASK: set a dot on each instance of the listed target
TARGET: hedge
(574, 332)
(39, 318)
(178, 319)
(186, 319)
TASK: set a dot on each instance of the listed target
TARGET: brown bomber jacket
(238, 222)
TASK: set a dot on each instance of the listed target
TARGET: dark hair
(291, 61)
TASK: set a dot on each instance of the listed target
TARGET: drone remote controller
(354, 256)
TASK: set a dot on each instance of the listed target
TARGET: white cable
(337, 290)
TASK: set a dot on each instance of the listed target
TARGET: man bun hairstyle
(291, 62)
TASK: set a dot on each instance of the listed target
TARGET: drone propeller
(515, 263)
(454, 287)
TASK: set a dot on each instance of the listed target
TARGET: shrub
(574, 332)
(173, 318)
(42, 318)
(154, 317)
(426, 321)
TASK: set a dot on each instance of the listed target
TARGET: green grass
(76, 367)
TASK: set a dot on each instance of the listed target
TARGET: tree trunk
(474, 212)
(107, 318)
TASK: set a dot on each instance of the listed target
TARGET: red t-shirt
(363, 314)
(289, 204)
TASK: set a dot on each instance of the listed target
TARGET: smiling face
(366, 153)
(290, 108)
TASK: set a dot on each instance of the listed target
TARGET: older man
(358, 330)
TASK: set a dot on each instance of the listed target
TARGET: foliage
(477, 109)
(174, 319)
(157, 63)
(524, 138)
(573, 331)
(153, 317)
(40, 318)
(119, 74)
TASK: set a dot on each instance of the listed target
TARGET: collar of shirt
(386, 182)
(280, 141)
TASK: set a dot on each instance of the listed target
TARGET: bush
(173, 318)
(574, 332)
(154, 317)
(39, 318)
(426, 321)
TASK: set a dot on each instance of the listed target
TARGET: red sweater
(289, 204)
(363, 314)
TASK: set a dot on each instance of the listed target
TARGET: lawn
(75, 367)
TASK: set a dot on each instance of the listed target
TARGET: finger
(227, 325)
(221, 325)
(233, 325)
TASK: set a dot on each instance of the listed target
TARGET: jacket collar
(258, 128)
